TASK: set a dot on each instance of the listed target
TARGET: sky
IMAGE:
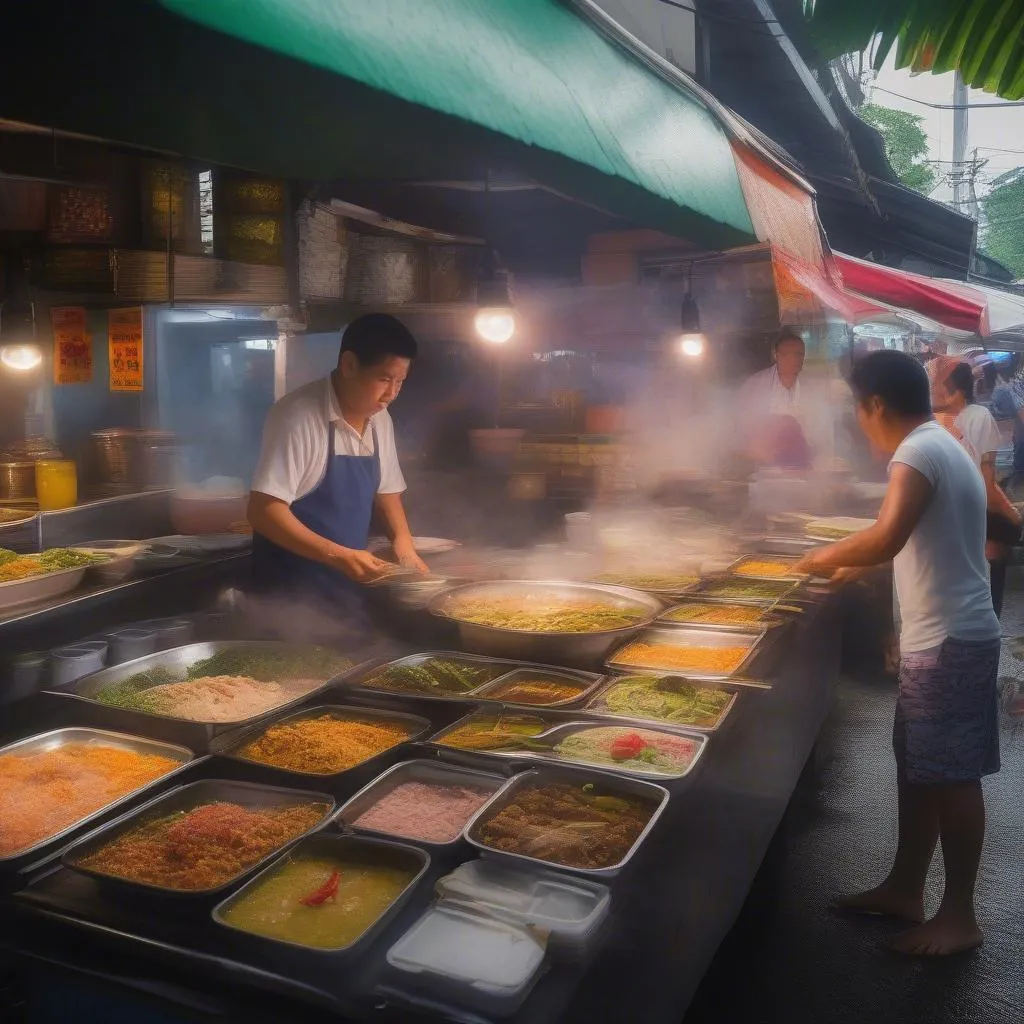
(992, 130)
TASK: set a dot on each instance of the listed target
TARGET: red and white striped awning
(972, 308)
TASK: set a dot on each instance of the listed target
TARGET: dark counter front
(669, 913)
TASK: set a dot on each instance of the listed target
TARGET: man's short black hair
(376, 336)
(962, 379)
(899, 380)
(787, 335)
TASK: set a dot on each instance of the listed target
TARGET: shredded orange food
(20, 569)
(759, 567)
(203, 848)
(681, 658)
(323, 745)
(43, 793)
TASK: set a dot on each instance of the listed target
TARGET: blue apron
(338, 508)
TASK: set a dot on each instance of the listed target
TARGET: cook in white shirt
(772, 411)
(328, 462)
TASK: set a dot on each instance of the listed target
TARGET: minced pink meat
(418, 810)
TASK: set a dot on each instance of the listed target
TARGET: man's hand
(811, 564)
(360, 566)
(405, 552)
(850, 575)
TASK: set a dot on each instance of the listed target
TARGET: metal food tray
(680, 636)
(187, 798)
(592, 707)
(58, 738)
(227, 745)
(795, 578)
(559, 730)
(196, 735)
(367, 850)
(592, 680)
(663, 593)
(429, 772)
(767, 620)
(15, 593)
(786, 588)
(545, 645)
(613, 784)
(359, 680)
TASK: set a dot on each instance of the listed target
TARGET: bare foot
(882, 901)
(943, 935)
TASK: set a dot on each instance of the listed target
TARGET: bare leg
(954, 928)
(902, 893)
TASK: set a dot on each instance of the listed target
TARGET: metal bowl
(584, 649)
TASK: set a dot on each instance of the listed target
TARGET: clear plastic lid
(455, 948)
(569, 909)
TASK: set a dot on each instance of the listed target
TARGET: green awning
(528, 70)
(983, 39)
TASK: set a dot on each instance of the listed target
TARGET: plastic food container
(131, 643)
(169, 632)
(28, 675)
(569, 910)
(470, 959)
(70, 663)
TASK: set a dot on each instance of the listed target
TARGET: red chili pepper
(327, 891)
(627, 746)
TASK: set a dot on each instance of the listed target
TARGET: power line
(945, 106)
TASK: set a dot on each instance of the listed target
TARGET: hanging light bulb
(692, 345)
(495, 324)
(18, 348)
(21, 358)
(495, 321)
(692, 342)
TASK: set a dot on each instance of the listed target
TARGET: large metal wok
(554, 648)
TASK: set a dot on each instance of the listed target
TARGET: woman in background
(952, 387)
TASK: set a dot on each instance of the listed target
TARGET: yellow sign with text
(72, 346)
(124, 333)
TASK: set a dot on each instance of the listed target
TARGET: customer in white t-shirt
(952, 390)
(945, 735)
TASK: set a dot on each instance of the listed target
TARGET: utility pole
(959, 142)
(972, 201)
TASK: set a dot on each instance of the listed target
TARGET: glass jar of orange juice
(56, 484)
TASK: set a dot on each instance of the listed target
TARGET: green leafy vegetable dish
(265, 666)
(435, 675)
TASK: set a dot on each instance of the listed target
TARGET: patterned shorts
(947, 716)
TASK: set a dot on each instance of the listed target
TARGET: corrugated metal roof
(528, 69)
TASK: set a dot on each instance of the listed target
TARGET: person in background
(783, 423)
(945, 733)
(328, 463)
(776, 391)
(952, 391)
(1007, 406)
